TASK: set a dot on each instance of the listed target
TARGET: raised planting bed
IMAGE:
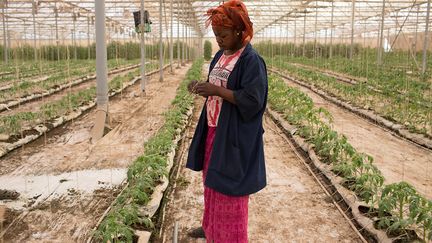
(395, 212)
(410, 108)
(130, 215)
(25, 127)
(420, 139)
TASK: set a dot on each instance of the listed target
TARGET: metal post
(380, 43)
(331, 31)
(34, 29)
(142, 47)
(352, 29)
(161, 61)
(5, 51)
(304, 34)
(74, 17)
(315, 30)
(178, 36)
(101, 71)
(186, 43)
(295, 36)
(426, 38)
(171, 38)
(88, 38)
(287, 39)
(416, 33)
(183, 35)
(56, 29)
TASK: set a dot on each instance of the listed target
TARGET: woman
(228, 142)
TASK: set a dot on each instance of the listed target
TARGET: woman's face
(227, 38)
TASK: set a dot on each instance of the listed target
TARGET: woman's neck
(234, 50)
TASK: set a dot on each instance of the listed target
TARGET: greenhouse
(215, 121)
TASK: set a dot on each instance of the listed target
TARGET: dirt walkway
(292, 208)
(398, 159)
(70, 181)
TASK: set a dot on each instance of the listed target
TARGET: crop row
(399, 206)
(415, 116)
(115, 49)
(396, 64)
(16, 123)
(62, 76)
(146, 172)
(28, 70)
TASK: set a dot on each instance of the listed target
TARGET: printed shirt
(219, 76)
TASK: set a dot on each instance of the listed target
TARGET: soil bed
(292, 207)
(398, 159)
(66, 181)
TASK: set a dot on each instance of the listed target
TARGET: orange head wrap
(232, 14)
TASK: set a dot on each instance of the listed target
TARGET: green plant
(147, 170)
(395, 199)
(207, 50)
(421, 211)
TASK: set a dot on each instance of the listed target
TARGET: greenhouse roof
(29, 19)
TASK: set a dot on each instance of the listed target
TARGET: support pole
(304, 34)
(183, 35)
(74, 17)
(315, 32)
(380, 42)
(426, 39)
(5, 46)
(161, 61)
(101, 72)
(295, 37)
(178, 36)
(57, 33)
(171, 38)
(331, 31)
(142, 47)
(34, 29)
(88, 38)
(352, 29)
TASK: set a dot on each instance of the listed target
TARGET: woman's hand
(206, 89)
(192, 86)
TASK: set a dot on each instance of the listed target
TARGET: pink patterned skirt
(225, 217)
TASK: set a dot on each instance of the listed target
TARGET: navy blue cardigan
(237, 164)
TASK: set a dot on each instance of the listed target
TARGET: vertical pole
(315, 31)
(426, 38)
(101, 54)
(74, 17)
(183, 35)
(415, 35)
(56, 29)
(5, 51)
(142, 48)
(304, 34)
(331, 31)
(352, 29)
(178, 35)
(171, 38)
(295, 36)
(88, 37)
(34, 29)
(287, 39)
(380, 43)
(161, 61)
(187, 44)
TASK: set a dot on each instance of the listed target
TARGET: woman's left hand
(206, 89)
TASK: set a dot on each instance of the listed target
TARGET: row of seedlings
(147, 171)
(400, 209)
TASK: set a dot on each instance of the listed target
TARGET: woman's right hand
(192, 86)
